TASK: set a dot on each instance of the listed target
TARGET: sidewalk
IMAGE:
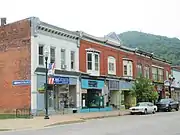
(40, 122)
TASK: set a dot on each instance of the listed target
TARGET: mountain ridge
(162, 46)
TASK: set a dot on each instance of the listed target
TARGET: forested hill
(164, 47)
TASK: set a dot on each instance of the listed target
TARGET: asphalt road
(167, 123)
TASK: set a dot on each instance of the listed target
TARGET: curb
(65, 122)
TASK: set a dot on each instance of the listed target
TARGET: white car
(143, 108)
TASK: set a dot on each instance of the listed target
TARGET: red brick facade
(118, 55)
(15, 62)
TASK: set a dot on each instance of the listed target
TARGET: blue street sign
(21, 82)
(61, 80)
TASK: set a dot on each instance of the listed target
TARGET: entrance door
(51, 100)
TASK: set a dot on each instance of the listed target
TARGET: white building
(63, 48)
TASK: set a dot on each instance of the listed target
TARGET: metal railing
(23, 113)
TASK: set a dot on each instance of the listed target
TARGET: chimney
(3, 21)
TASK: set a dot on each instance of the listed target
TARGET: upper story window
(52, 55)
(155, 73)
(127, 68)
(93, 61)
(139, 70)
(160, 75)
(147, 72)
(63, 58)
(111, 65)
(72, 60)
(41, 55)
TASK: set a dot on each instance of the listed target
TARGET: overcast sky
(99, 17)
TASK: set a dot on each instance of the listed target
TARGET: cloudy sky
(99, 17)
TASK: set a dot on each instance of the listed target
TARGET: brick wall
(119, 55)
(105, 52)
(15, 62)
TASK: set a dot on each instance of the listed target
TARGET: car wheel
(154, 111)
(132, 113)
(169, 109)
(145, 111)
(177, 109)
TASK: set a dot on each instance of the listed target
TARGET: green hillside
(164, 47)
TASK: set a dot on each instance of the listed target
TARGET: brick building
(23, 45)
(15, 64)
(106, 63)
(88, 70)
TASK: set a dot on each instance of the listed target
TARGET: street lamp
(171, 79)
(46, 84)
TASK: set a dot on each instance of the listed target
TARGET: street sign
(21, 82)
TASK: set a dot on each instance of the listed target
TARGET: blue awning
(125, 85)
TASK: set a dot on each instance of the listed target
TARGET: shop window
(41, 55)
(111, 65)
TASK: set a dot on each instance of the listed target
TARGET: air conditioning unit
(63, 66)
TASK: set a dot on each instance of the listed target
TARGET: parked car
(144, 108)
(167, 104)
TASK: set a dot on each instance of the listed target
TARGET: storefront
(114, 93)
(92, 98)
(126, 99)
(62, 94)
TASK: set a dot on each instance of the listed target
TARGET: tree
(143, 90)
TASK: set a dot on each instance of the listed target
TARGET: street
(164, 123)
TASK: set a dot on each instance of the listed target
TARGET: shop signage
(61, 80)
(92, 84)
(113, 85)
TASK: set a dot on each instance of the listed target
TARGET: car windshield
(164, 101)
(141, 104)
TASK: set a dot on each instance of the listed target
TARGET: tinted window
(164, 101)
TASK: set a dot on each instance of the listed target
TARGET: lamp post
(171, 79)
(46, 84)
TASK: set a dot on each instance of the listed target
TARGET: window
(89, 61)
(93, 62)
(146, 72)
(155, 73)
(127, 68)
(52, 55)
(41, 55)
(96, 56)
(72, 60)
(111, 65)
(63, 56)
(139, 70)
(160, 75)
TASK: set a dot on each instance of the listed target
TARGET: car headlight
(167, 105)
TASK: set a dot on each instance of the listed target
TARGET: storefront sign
(61, 80)
(92, 84)
(113, 85)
